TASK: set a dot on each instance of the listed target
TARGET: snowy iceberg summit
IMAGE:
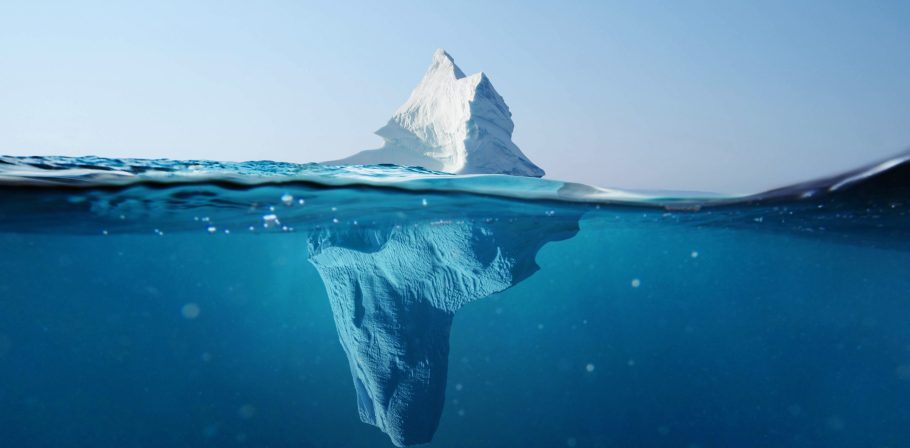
(394, 291)
(453, 123)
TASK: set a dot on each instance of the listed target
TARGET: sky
(724, 96)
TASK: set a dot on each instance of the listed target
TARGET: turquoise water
(129, 317)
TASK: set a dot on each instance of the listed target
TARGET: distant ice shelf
(452, 123)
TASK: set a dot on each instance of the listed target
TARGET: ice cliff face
(453, 123)
(394, 292)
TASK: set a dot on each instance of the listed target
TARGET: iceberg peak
(444, 63)
(453, 123)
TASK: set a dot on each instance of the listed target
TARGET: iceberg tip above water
(452, 123)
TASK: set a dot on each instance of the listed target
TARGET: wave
(96, 172)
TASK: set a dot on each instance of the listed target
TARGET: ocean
(150, 303)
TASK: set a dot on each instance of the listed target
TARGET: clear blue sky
(720, 96)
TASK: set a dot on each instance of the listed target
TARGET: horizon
(726, 99)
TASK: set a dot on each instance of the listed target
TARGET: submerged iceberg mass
(452, 123)
(394, 292)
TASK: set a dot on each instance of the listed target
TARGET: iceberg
(451, 123)
(394, 291)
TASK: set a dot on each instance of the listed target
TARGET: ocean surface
(153, 303)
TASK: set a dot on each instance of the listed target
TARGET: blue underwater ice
(162, 303)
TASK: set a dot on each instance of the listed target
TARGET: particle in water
(252, 229)
(105, 232)
(206, 357)
(246, 411)
(571, 441)
(335, 220)
(287, 199)
(5, 345)
(694, 254)
(459, 386)
(269, 220)
(835, 423)
(210, 431)
(423, 202)
(550, 212)
(227, 232)
(301, 202)
(589, 368)
(212, 229)
(190, 311)
(461, 412)
(271, 208)
(540, 326)
(636, 283)
(903, 372)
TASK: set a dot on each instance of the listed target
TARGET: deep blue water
(126, 322)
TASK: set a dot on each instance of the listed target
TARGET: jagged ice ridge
(452, 123)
